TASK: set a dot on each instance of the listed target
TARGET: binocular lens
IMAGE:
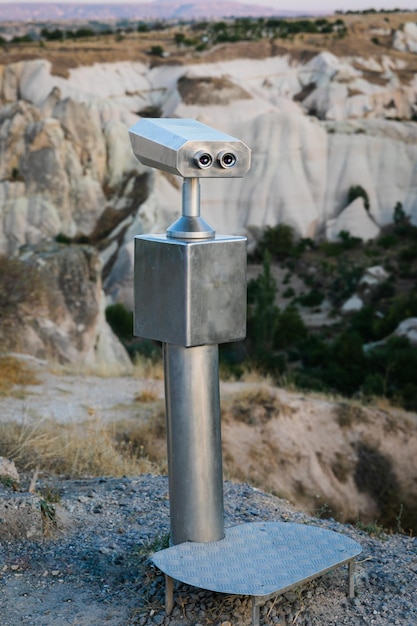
(203, 160)
(227, 159)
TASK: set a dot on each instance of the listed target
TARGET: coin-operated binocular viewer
(190, 294)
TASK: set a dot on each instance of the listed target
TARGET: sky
(294, 5)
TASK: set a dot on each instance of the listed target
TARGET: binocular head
(189, 149)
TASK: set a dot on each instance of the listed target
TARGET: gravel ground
(94, 567)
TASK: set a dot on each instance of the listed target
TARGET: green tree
(346, 367)
(290, 328)
(395, 361)
(120, 320)
(277, 241)
(263, 315)
(157, 51)
(52, 35)
(80, 33)
(400, 308)
(349, 242)
(179, 39)
(399, 214)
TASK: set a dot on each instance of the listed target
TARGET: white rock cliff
(315, 130)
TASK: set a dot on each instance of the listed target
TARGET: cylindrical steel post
(191, 197)
(190, 225)
(194, 443)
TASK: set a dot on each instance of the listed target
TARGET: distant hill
(165, 9)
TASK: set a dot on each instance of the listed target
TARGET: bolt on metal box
(190, 293)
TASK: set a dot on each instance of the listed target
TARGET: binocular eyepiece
(203, 160)
(225, 159)
(189, 148)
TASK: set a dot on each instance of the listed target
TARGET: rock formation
(20, 513)
(354, 220)
(408, 328)
(8, 472)
(316, 129)
(405, 39)
(62, 318)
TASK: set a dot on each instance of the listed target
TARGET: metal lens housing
(188, 148)
(203, 160)
(227, 159)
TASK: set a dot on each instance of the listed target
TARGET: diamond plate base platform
(261, 559)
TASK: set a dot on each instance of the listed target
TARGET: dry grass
(102, 369)
(15, 373)
(342, 467)
(253, 406)
(252, 375)
(148, 368)
(348, 413)
(75, 450)
(67, 55)
(145, 439)
(147, 395)
(125, 447)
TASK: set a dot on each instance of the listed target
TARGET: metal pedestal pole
(194, 443)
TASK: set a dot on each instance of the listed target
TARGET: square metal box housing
(190, 292)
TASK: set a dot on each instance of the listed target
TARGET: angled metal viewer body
(189, 149)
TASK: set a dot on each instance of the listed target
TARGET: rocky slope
(94, 567)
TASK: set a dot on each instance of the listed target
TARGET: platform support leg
(169, 594)
(351, 575)
(255, 611)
